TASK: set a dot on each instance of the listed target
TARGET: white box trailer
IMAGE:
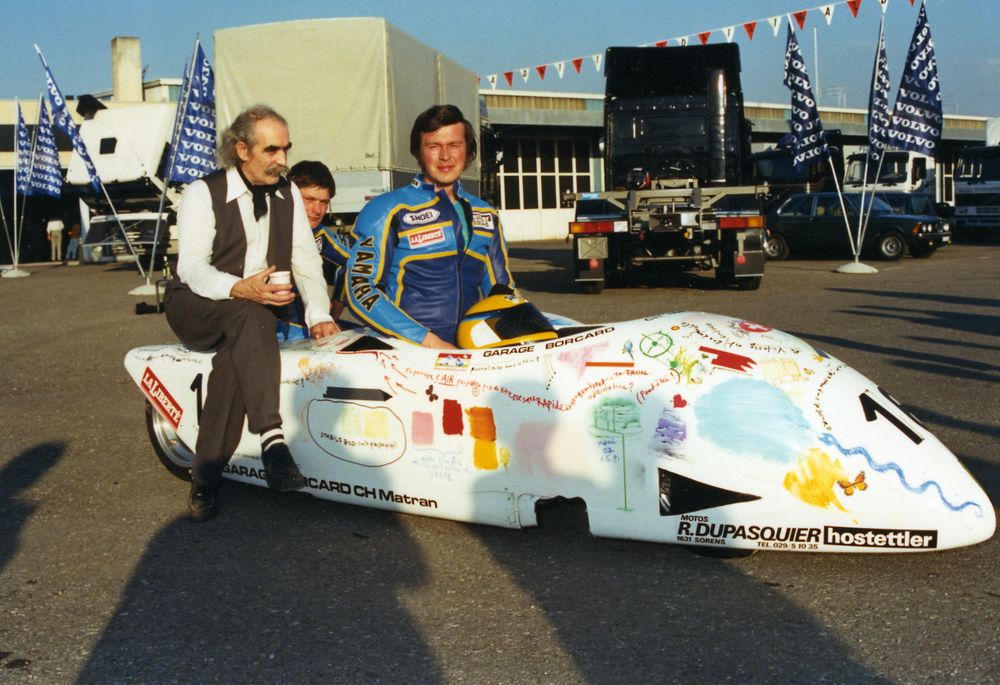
(127, 145)
(350, 89)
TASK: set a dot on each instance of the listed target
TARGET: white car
(686, 427)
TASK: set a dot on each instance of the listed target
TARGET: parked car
(813, 224)
(918, 203)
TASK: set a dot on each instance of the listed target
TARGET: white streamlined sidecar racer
(686, 428)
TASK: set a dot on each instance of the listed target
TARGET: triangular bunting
(541, 71)
(704, 36)
(492, 80)
(855, 5)
(577, 63)
(509, 76)
(827, 11)
(728, 33)
(661, 43)
(597, 60)
(683, 41)
(775, 23)
(750, 27)
(800, 18)
(525, 73)
(560, 68)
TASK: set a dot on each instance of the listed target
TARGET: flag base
(15, 273)
(146, 288)
(856, 268)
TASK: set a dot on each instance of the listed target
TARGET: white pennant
(492, 80)
(682, 41)
(560, 68)
(827, 13)
(597, 60)
(884, 4)
(728, 33)
(525, 73)
(775, 23)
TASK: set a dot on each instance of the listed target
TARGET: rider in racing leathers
(427, 252)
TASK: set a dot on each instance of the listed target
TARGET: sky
(498, 36)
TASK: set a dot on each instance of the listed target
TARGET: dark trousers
(245, 377)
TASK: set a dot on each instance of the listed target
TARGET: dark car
(918, 203)
(813, 224)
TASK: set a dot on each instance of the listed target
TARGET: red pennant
(703, 37)
(855, 5)
(911, 3)
(750, 27)
(661, 43)
(509, 77)
(577, 63)
(541, 71)
(800, 18)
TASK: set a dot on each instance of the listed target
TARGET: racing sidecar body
(686, 427)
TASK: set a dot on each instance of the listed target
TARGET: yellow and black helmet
(506, 319)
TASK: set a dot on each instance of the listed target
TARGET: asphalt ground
(102, 580)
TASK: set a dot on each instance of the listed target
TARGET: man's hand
(324, 329)
(431, 340)
(256, 289)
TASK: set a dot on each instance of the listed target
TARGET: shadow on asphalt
(280, 588)
(15, 478)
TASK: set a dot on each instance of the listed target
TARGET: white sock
(274, 436)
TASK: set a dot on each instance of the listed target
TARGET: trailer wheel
(776, 247)
(593, 288)
(891, 246)
(749, 283)
(171, 450)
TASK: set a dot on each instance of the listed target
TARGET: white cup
(280, 278)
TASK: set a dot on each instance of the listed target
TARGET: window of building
(537, 171)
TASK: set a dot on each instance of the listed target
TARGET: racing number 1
(872, 409)
(196, 386)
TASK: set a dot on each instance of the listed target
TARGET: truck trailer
(350, 89)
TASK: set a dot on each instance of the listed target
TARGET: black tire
(776, 247)
(592, 288)
(891, 246)
(171, 450)
(749, 283)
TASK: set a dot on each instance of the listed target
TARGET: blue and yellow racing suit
(412, 270)
(334, 247)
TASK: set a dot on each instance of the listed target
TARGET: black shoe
(203, 503)
(280, 470)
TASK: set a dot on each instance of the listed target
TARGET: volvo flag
(46, 172)
(193, 151)
(64, 122)
(917, 118)
(878, 103)
(810, 139)
(23, 154)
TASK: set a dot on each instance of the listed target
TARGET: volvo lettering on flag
(810, 139)
(195, 138)
(917, 118)
(46, 171)
(64, 122)
(23, 159)
(878, 103)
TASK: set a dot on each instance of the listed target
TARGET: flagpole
(862, 215)
(6, 229)
(31, 171)
(81, 149)
(178, 118)
(16, 271)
